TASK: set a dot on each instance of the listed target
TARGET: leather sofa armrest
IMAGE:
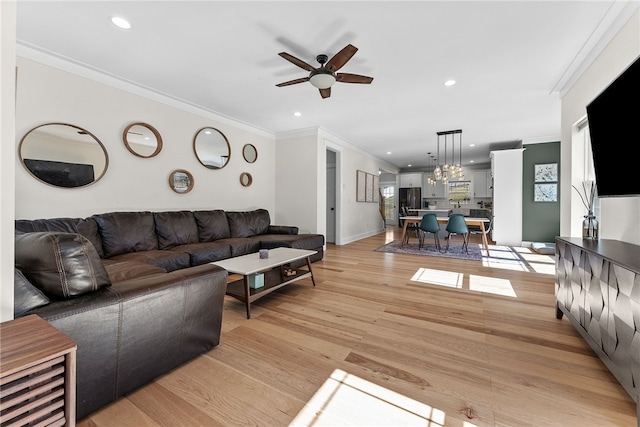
(282, 229)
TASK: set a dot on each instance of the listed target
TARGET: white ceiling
(510, 60)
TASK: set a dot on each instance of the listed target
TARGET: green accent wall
(540, 220)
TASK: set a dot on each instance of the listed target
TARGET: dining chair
(478, 230)
(411, 227)
(429, 224)
(457, 225)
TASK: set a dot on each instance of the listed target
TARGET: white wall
(301, 184)
(47, 94)
(618, 216)
(7, 154)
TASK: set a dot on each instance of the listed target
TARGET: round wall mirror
(212, 148)
(63, 155)
(142, 140)
(181, 181)
(246, 179)
(250, 153)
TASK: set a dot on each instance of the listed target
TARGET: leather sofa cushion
(212, 225)
(243, 246)
(124, 270)
(250, 223)
(298, 241)
(175, 228)
(85, 226)
(168, 260)
(26, 296)
(205, 252)
(124, 232)
(62, 265)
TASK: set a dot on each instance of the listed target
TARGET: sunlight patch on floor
(450, 279)
(518, 259)
(347, 400)
(492, 285)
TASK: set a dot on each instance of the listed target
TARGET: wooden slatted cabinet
(37, 374)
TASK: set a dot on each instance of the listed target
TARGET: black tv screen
(61, 174)
(613, 126)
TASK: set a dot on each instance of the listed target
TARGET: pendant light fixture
(449, 169)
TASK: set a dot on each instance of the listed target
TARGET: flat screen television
(61, 174)
(614, 117)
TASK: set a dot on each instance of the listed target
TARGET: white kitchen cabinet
(433, 191)
(410, 180)
(482, 183)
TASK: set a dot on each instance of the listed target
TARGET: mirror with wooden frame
(212, 148)
(246, 179)
(250, 153)
(142, 140)
(63, 155)
(181, 181)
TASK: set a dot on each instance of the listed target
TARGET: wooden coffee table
(274, 275)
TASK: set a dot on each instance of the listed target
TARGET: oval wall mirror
(63, 155)
(246, 179)
(212, 148)
(250, 153)
(181, 181)
(142, 140)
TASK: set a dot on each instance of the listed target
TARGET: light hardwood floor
(378, 342)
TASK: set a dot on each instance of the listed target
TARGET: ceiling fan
(325, 76)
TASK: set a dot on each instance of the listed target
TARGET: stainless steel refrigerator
(410, 198)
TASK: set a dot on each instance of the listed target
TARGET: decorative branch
(587, 196)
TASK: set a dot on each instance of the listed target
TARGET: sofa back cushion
(125, 232)
(175, 228)
(249, 223)
(62, 265)
(212, 225)
(85, 226)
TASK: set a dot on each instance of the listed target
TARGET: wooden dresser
(37, 374)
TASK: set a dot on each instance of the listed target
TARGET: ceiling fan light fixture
(322, 79)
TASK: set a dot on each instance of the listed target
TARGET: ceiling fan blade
(293, 82)
(299, 62)
(325, 93)
(341, 58)
(353, 78)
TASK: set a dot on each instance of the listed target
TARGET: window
(584, 138)
(460, 192)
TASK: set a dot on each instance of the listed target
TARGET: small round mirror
(142, 140)
(212, 148)
(250, 153)
(63, 155)
(246, 179)
(181, 181)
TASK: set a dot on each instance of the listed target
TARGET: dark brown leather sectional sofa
(135, 290)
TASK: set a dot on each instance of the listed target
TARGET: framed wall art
(361, 186)
(545, 192)
(547, 172)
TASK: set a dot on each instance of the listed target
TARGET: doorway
(389, 196)
(331, 197)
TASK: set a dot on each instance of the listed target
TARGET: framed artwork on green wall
(547, 172)
(545, 192)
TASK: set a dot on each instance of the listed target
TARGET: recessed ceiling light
(121, 22)
(388, 152)
(297, 114)
(408, 165)
(449, 82)
(472, 145)
(472, 161)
